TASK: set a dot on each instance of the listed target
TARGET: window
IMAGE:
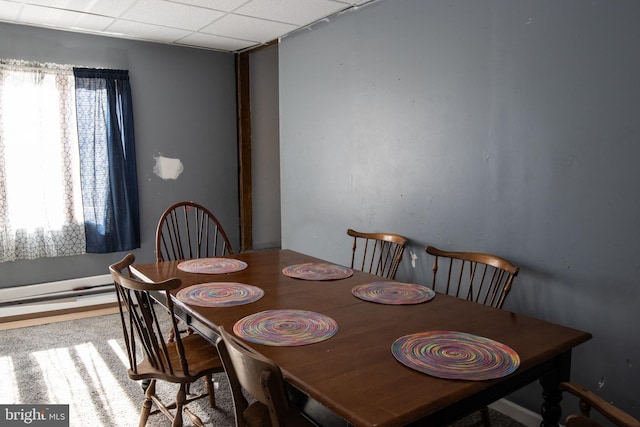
(68, 180)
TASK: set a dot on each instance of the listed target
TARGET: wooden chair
(478, 277)
(188, 230)
(181, 361)
(262, 379)
(482, 278)
(589, 400)
(377, 253)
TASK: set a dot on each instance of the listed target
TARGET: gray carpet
(82, 363)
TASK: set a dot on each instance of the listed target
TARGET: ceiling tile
(224, 5)
(300, 12)
(215, 42)
(107, 8)
(63, 19)
(228, 25)
(175, 15)
(146, 31)
(247, 28)
(9, 10)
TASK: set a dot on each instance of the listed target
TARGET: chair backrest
(257, 375)
(589, 400)
(478, 277)
(377, 253)
(141, 326)
(188, 230)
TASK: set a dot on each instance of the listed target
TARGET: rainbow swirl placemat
(455, 355)
(212, 265)
(222, 294)
(286, 327)
(394, 293)
(317, 271)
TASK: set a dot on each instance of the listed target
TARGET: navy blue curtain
(107, 160)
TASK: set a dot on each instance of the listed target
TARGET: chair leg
(146, 405)
(194, 418)
(181, 397)
(484, 412)
(210, 390)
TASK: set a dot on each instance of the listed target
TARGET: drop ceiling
(226, 25)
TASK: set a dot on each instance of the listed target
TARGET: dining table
(362, 370)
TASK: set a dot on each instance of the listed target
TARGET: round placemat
(286, 327)
(220, 294)
(394, 293)
(455, 355)
(212, 265)
(317, 271)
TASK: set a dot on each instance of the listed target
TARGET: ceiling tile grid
(226, 25)
(58, 18)
(172, 15)
(248, 28)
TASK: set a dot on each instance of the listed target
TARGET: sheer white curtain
(40, 199)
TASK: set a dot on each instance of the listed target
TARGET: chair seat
(203, 360)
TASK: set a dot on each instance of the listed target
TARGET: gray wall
(500, 126)
(184, 108)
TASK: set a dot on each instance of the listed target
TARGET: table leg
(551, 393)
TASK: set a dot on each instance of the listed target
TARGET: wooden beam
(244, 150)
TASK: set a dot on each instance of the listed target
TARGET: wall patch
(167, 168)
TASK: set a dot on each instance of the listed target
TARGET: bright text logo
(34, 415)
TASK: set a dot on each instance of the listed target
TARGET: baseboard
(71, 304)
(18, 293)
(517, 412)
(23, 321)
(44, 300)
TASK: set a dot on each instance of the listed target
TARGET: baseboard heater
(50, 291)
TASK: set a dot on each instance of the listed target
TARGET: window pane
(41, 205)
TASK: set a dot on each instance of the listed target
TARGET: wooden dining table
(353, 378)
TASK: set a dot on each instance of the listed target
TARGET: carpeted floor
(82, 363)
